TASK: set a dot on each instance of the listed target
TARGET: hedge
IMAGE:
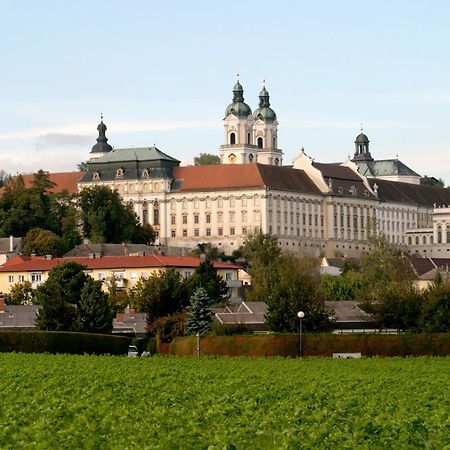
(315, 345)
(63, 342)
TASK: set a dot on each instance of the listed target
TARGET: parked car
(133, 352)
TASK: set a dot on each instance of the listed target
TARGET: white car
(133, 351)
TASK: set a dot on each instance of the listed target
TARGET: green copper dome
(239, 108)
(264, 112)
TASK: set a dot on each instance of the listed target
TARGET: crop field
(62, 401)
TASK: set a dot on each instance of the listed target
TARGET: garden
(73, 401)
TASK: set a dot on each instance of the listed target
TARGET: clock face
(232, 158)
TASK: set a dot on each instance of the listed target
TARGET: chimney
(2, 305)
(48, 257)
(131, 313)
(119, 317)
(11, 243)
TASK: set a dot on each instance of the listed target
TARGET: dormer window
(96, 176)
(120, 172)
(145, 173)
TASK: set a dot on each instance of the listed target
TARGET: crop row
(54, 401)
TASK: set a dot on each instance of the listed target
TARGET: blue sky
(163, 72)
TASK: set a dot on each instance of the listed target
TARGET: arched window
(250, 158)
(232, 139)
(417, 240)
(409, 240)
(439, 235)
(260, 142)
(424, 240)
(144, 217)
(277, 162)
(274, 143)
(249, 138)
(156, 215)
(448, 234)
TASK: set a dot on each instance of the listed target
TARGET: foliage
(21, 294)
(119, 299)
(218, 329)
(206, 277)
(347, 286)
(163, 293)
(107, 219)
(5, 178)
(43, 242)
(62, 342)
(223, 402)
(59, 297)
(435, 313)
(383, 265)
(94, 310)
(168, 327)
(287, 283)
(205, 159)
(432, 181)
(199, 315)
(82, 166)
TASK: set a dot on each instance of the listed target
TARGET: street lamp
(300, 315)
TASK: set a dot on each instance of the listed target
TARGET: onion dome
(264, 112)
(239, 108)
(102, 145)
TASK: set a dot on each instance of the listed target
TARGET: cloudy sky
(162, 72)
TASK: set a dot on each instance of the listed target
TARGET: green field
(168, 402)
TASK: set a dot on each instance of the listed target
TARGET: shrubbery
(62, 342)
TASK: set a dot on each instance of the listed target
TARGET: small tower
(362, 148)
(265, 132)
(101, 147)
(238, 147)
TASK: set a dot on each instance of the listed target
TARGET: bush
(62, 342)
(219, 329)
(165, 329)
(316, 345)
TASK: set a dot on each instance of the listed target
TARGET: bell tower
(238, 145)
(265, 132)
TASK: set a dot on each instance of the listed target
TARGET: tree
(435, 313)
(205, 159)
(384, 264)
(293, 288)
(43, 242)
(432, 181)
(21, 294)
(199, 312)
(162, 294)
(95, 312)
(82, 166)
(206, 276)
(5, 178)
(107, 219)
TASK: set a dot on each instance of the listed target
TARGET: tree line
(53, 223)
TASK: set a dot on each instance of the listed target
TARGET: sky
(162, 73)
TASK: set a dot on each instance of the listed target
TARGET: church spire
(102, 146)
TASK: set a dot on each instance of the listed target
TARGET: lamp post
(300, 316)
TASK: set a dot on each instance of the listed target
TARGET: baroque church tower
(250, 138)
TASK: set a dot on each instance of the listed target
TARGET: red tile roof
(64, 181)
(26, 264)
(241, 176)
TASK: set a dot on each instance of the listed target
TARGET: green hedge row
(63, 342)
(316, 345)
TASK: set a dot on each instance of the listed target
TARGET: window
(145, 173)
(96, 176)
(184, 233)
(220, 202)
(228, 276)
(208, 218)
(244, 230)
(244, 216)
(173, 233)
(196, 203)
(187, 273)
(101, 276)
(144, 275)
(133, 276)
(232, 138)
(173, 219)
(156, 216)
(260, 142)
(244, 201)
(184, 219)
(232, 201)
(220, 231)
(173, 205)
(231, 231)
(184, 203)
(10, 278)
(208, 232)
(249, 138)
(196, 232)
(21, 278)
(120, 172)
(196, 218)
(256, 216)
(256, 200)
(232, 216)
(36, 277)
(208, 202)
(220, 217)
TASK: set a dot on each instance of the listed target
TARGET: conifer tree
(199, 313)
